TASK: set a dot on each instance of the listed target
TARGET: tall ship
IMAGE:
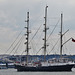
(55, 64)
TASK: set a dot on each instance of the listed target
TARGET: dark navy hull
(45, 68)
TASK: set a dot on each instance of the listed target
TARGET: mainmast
(61, 37)
(45, 30)
(27, 38)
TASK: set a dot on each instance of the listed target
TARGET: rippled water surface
(14, 72)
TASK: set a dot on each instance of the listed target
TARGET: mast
(45, 30)
(61, 36)
(27, 38)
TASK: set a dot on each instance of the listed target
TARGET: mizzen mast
(61, 35)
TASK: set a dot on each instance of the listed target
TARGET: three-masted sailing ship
(55, 64)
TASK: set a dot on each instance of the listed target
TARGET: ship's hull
(67, 67)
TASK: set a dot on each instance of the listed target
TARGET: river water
(14, 72)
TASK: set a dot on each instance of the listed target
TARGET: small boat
(3, 66)
(10, 65)
(55, 64)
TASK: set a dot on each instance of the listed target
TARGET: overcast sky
(13, 15)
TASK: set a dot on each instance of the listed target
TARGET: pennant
(73, 40)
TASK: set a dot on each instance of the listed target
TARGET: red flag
(73, 40)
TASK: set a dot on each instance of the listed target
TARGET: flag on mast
(73, 40)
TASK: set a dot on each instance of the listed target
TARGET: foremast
(45, 32)
(27, 38)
